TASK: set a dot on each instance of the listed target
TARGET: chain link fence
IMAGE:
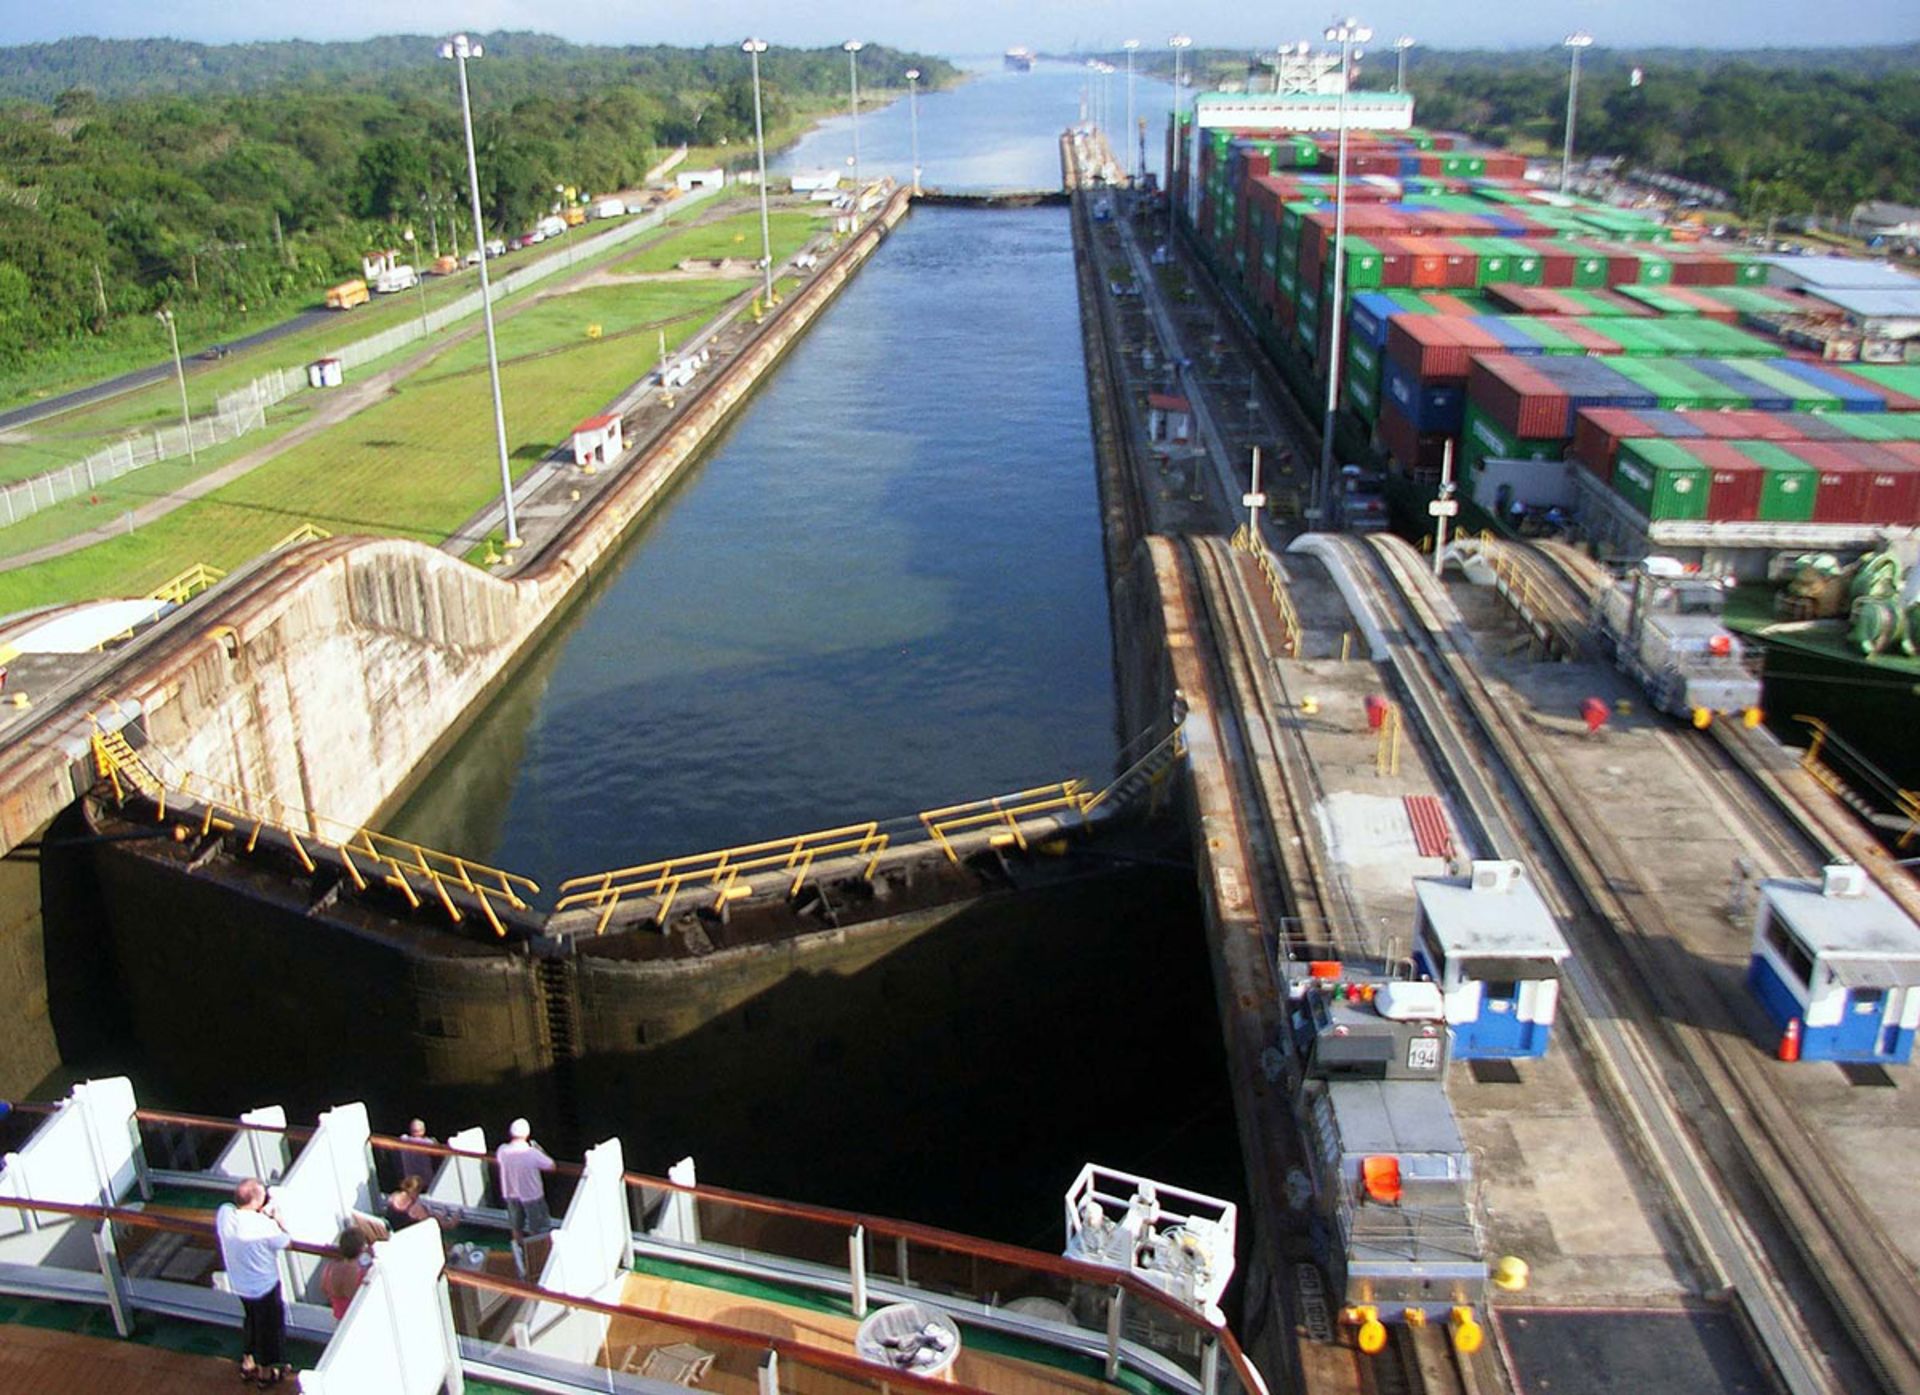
(238, 412)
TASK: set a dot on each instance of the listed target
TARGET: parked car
(214, 351)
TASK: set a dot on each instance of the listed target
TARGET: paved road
(127, 382)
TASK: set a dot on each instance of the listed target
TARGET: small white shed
(325, 372)
(597, 440)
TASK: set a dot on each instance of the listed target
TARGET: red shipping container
(1395, 262)
(1883, 488)
(1426, 267)
(1734, 481)
(1746, 426)
(1556, 265)
(1587, 335)
(1517, 397)
(1597, 434)
(1427, 347)
(1418, 455)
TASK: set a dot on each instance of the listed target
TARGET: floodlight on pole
(754, 48)
(1574, 42)
(1178, 43)
(1133, 172)
(853, 47)
(913, 122)
(1347, 33)
(1400, 47)
(461, 49)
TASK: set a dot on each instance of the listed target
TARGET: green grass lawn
(737, 237)
(72, 436)
(417, 465)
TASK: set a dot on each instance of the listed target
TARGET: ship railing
(133, 1261)
(1843, 770)
(852, 1261)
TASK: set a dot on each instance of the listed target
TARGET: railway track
(1842, 1250)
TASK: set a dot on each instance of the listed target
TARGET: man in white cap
(521, 1162)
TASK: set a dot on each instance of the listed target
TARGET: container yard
(1483, 312)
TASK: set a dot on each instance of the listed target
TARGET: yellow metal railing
(306, 532)
(722, 872)
(1282, 599)
(1906, 802)
(184, 587)
(1000, 817)
(367, 857)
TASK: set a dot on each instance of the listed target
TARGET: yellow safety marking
(225, 810)
(306, 532)
(721, 870)
(188, 584)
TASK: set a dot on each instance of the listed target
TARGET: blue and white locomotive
(1490, 944)
(1838, 958)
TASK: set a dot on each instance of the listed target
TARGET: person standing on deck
(251, 1239)
(522, 1186)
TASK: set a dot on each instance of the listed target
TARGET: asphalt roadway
(127, 382)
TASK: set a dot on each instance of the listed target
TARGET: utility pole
(1443, 507)
(180, 375)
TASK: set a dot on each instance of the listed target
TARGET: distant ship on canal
(1020, 60)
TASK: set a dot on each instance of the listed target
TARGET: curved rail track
(1757, 1144)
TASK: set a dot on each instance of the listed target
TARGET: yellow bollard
(1467, 1332)
(1510, 1273)
(1702, 718)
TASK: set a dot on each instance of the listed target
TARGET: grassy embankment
(420, 463)
(71, 436)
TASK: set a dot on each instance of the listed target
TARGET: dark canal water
(883, 590)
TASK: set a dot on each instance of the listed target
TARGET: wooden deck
(733, 1371)
(63, 1363)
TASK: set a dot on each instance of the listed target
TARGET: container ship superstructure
(1592, 370)
(1019, 60)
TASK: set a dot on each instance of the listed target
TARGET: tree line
(173, 175)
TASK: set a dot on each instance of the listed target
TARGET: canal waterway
(997, 130)
(882, 590)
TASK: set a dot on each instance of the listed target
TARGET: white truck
(608, 208)
(397, 278)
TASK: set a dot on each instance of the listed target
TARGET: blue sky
(980, 26)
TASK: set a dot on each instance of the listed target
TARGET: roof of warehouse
(1873, 303)
(1843, 273)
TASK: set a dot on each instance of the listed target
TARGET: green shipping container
(1590, 270)
(1787, 491)
(1904, 378)
(1651, 374)
(1482, 438)
(1662, 480)
(1363, 265)
(1801, 395)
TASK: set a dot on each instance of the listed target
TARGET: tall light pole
(853, 47)
(1347, 33)
(1575, 41)
(913, 122)
(460, 48)
(180, 373)
(1133, 172)
(1400, 47)
(754, 48)
(1178, 43)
